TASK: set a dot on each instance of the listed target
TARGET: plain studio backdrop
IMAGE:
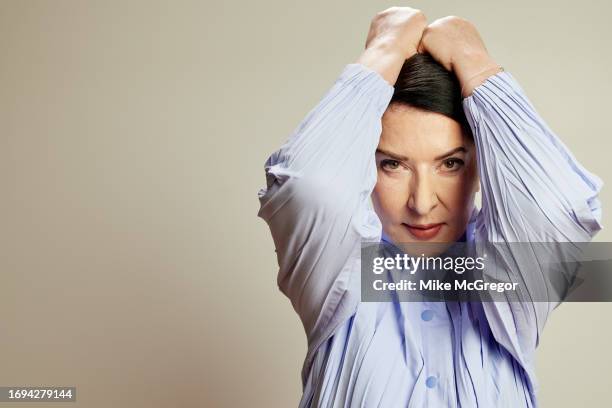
(132, 142)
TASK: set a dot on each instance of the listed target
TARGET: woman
(454, 122)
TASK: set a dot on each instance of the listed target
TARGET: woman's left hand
(455, 43)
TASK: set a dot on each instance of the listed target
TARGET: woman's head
(426, 158)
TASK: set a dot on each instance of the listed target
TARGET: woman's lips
(424, 232)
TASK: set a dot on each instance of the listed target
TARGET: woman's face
(427, 177)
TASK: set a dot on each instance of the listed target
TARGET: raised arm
(533, 189)
(316, 199)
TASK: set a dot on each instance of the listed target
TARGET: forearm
(529, 177)
(473, 69)
(385, 58)
(339, 136)
(317, 194)
(533, 192)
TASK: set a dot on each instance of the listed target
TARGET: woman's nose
(423, 198)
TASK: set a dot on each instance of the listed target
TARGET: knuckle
(422, 18)
(459, 21)
(379, 15)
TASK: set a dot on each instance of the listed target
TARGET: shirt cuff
(370, 81)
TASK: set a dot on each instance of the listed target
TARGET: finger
(421, 47)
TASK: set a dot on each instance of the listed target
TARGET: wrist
(473, 70)
(384, 57)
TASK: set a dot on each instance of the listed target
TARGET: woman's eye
(388, 164)
(452, 164)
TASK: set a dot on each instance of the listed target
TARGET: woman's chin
(416, 247)
(420, 248)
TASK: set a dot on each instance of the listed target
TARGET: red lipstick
(424, 231)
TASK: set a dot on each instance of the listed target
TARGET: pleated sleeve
(316, 199)
(533, 191)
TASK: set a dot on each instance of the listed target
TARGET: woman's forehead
(414, 132)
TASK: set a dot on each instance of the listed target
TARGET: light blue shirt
(416, 354)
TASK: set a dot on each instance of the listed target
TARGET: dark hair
(425, 84)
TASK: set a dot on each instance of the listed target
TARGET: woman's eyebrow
(396, 156)
(455, 150)
(404, 158)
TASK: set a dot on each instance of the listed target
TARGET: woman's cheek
(458, 198)
(388, 196)
(392, 182)
(456, 191)
(381, 194)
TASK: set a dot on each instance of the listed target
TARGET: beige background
(132, 142)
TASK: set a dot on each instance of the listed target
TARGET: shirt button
(431, 382)
(427, 315)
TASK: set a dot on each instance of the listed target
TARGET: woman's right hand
(394, 36)
(456, 44)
